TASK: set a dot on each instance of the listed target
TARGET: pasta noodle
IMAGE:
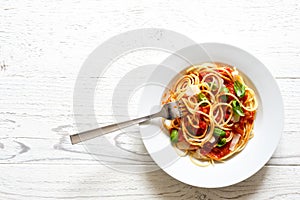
(219, 112)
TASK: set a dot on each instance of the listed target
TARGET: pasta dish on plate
(219, 110)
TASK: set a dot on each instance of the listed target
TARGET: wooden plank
(36, 41)
(25, 181)
(53, 151)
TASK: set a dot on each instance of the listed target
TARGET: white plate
(267, 128)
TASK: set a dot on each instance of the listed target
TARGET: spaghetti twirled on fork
(219, 113)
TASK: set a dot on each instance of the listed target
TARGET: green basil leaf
(224, 97)
(237, 108)
(221, 142)
(202, 97)
(219, 132)
(236, 117)
(174, 136)
(239, 89)
(239, 111)
(234, 103)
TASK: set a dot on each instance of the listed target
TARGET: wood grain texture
(42, 47)
(99, 182)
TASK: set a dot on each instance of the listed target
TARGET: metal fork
(170, 110)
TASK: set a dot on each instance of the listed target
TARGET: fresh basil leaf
(236, 117)
(234, 103)
(239, 89)
(202, 97)
(239, 111)
(224, 97)
(221, 142)
(174, 136)
(237, 108)
(219, 132)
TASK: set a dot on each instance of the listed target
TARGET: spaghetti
(219, 112)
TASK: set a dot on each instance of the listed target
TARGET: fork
(169, 111)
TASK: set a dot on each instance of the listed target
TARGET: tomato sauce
(219, 152)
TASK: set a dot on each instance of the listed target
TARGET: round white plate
(267, 128)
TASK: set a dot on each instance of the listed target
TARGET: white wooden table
(42, 47)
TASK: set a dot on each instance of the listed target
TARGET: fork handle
(90, 134)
